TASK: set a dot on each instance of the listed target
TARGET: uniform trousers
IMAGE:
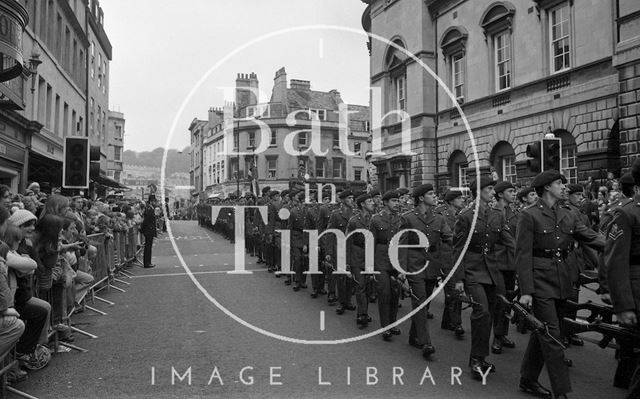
(361, 290)
(543, 350)
(452, 311)
(500, 321)
(388, 296)
(422, 288)
(485, 295)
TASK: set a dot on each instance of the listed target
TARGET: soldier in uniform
(528, 197)
(311, 223)
(339, 220)
(371, 281)
(273, 254)
(545, 236)
(282, 225)
(384, 226)
(478, 272)
(505, 196)
(422, 275)
(622, 255)
(356, 255)
(377, 199)
(451, 313)
(296, 224)
(406, 204)
(324, 213)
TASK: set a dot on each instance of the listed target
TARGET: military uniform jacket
(339, 220)
(435, 227)
(445, 259)
(356, 243)
(622, 255)
(505, 256)
(296, 224)
(384, 226)
(544, 238)
(605, 225)
(582, 257)
(479, 263)
(148, 226)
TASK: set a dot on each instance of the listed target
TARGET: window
(236, 141)
(509, 169)
(302, 139)
(117, 153)
(457, 75)
(560, 36)
(273, 137)
(356, 148)
(463, 178)
(320, 114)
(502, 46)
(338, 168)
(568, 163)
(321, 164)
(93, 59)
(252, 140)
(336, 140)
(357, 174)
(400, 89)
(118, 132)
(272, 164)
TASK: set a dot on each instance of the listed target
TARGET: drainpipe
(437, 118)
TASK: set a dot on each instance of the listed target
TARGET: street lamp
(34, 62)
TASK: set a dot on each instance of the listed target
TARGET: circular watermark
(174, 126)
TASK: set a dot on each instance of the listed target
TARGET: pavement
(164, 338)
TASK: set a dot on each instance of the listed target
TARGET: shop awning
(108, 182)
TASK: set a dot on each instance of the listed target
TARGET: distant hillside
(176, 162)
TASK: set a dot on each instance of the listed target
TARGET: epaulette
(625, 202)
(440, 208)
(465, 210)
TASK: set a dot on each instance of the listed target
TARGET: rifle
(330, 268)
(405, 288)
(589, 277)
(597, 312)
(464, 298)
(530, 320)
(623, 335)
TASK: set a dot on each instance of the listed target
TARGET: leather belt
(479, 249)
(550, 253)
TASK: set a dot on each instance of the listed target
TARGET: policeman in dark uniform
(422, 275)
(478, 273)
(148, 230)
(505, 196)
(451, 313)
(356, 255)
(545, 236)
(339, 220)
(384, 226)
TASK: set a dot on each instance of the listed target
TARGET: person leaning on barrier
(356, 255)
(451, 313)
(384, 226)
(545, 236)
(622, 255)
(417, 259)
(34, 311)
(505, 195)
(478, 274)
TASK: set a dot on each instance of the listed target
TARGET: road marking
(321, 48)
(194, 273)
(200, 265)
(322, 320)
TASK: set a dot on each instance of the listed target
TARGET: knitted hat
(21, 216)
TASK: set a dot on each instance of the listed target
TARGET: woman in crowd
(57, 205)
(81, 281)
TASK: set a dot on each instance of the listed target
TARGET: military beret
(524, 192)
(484, 182)
(390, 195)
(374, 193)
(635, 172)
(450, 195)
(293, 193)
(362, 198)
(574, 188)
(266, 190)
(326, 194)
(503, 185)
(626, 179)
(273, 193)
(421, 190)
(403, 191)
(285, 193)
(547, 177)
(344, 194)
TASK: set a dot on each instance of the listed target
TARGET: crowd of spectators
(46, 261)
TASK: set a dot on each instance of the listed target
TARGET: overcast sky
(162, 48)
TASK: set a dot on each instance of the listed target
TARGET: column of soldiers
(529, 246)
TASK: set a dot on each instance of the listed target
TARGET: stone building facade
(517, 70)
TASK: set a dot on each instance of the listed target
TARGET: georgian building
(223, 174)
(518, 69)
(115, 144)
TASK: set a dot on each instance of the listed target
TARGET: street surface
(164, 321)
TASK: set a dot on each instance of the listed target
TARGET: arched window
(395, 60)
(497, 25)
(453, 44)
(568, 157)
(503, 159)
(458, 166)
